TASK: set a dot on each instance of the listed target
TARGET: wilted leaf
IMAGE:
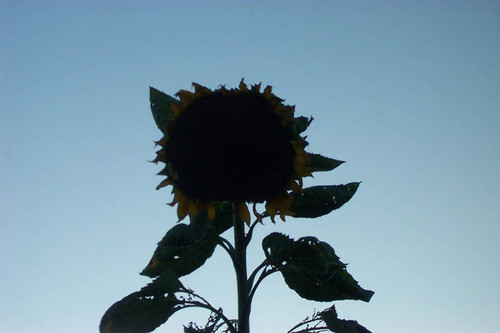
(166, 283)
(160, 107)
(321, 200)
(312, 269)
(145, 310)
(185, 248)
(322, 163)
(337, 325)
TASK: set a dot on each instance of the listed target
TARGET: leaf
(145, 310)
(322, 163)
(321, 200)
(182, 250)
(167, 282)
(312, 269)
(137, 314)
(185, 248)
(329, 316)
(161, 107)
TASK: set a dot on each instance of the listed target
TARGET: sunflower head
(238, 145)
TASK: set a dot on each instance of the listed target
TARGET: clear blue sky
(408, 93)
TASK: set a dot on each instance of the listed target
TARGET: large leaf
(166, 283)
(145, 310)
(182, 250)
(318, 162)
(312, 269)
(337, 325)
(185, 248)
(321, 200)
(160, 107)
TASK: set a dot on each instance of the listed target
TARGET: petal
(211, 211)
(271, 210)
(243, 86)
(256, 87)
(186, 96)
(199, 88)
(267, 92)
(162, 142)
(164, 183)
(243, 213)
(182, 209)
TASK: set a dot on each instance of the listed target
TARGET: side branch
(204, 304)
(255, 272)
(228, 247)
(265, 273)
(248, 237)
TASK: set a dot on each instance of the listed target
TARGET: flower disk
(232, 145)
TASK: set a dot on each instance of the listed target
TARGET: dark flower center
(230, 147)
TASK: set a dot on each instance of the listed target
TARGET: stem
(206, 305)
(255, 272)
(250, 232)
(228, 247)
(265, 273)
(240, 265)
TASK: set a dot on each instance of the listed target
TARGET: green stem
(240, 246)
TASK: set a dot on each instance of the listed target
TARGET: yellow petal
(186, 96)
(161, 142)
(256, 214)
(256, 87)
(182, 209)
(267, 92)
(193, 208)
(211, 211)
(198, 87)
(164, 183)
(161, 156)
(182, 204)
(243, 213)
(243, 86)
(271, 210)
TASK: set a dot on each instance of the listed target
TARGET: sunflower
(232, 145)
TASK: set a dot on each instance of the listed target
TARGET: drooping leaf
(145, 310)
(160, 107)
(182, 250)
(322, 163)
(185, 248)
(312, 269)
(329, 316)
(166, 283)
(321, 200)
(137, 314)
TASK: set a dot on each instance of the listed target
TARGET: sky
(407, 92)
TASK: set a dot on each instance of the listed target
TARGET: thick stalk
(240, 246)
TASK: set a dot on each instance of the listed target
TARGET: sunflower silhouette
(232, 145)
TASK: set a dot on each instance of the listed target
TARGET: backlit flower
(238, 145)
